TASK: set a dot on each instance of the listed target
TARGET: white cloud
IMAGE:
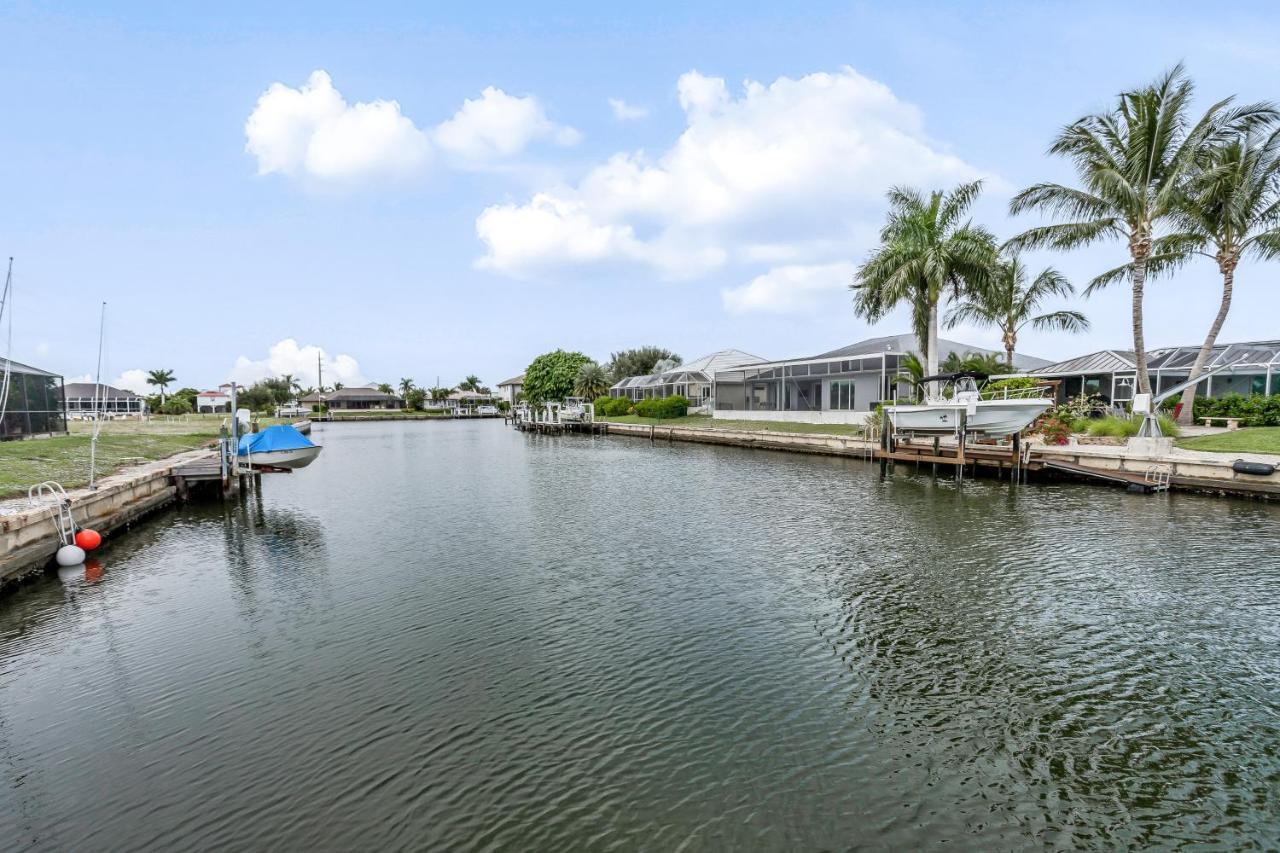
(287, 356)
(312, 131)
(623, 111)
(499, 125)
(787, 171)
(795, 289)
(84, 377)
(133, 380)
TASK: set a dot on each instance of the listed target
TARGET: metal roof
(900, 344)
(514, 380)
(700, 369)
(1256, 354)
(85, 390)
(19, 367)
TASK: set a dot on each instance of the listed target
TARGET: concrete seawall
(1191, 471)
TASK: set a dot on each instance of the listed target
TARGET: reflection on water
(452, 635)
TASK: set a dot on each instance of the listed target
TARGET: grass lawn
(65, 458)
(705, 422)
(1247, 440)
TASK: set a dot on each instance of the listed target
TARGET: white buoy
(70, 555)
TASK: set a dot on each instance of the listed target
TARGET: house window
(842, 395)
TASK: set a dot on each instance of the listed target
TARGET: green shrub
(612, 407)
(996, 389)
(176, 406)
(1258, 410)
(674, 406)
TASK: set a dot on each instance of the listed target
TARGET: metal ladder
(51, 492)
(1157, 479)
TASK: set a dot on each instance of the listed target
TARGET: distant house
(1255, 369)
(214, 402)
(511, 388)
(355, 399)
(692, 380)
(841, 386)
(85, 398)
(466, 401)
(35, 403)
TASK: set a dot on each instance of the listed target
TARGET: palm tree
(162, 378)
(471, 383)
(927, 250)
(1009, 303)
(592, 381)
(438, 394)
(1230, 211)
(406, 387)
(1132, 162)
(385, 388)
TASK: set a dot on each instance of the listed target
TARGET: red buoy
(88, 539)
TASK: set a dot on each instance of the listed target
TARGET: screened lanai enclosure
(1254, 368)
(33, 405)
(692, 380)
(841, 386)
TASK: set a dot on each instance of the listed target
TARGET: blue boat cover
(280, 437)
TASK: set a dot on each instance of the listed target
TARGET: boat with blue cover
(280, 446)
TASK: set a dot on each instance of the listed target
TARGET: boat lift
(1149, 406)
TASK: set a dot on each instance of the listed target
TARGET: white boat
(998, 414)
(279, 446)
(576, 410)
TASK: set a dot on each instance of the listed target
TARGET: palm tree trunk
(1228, 268)
(1010, 344)
(1140, 248)
(931, 347)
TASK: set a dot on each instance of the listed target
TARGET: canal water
(455, 636)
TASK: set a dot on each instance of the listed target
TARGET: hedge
(675, 406)
(612, 407)
(1258, 410)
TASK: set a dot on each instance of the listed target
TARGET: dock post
(1015, 465)
(936, 450)
(964, 434)
(884, 449)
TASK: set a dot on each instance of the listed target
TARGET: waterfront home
(214, 402)
(35, 404)
(841, 386)
(1111, 373)
(511, 388)
(465, 402)
(692, 380)
(358, 398)
(84, 398)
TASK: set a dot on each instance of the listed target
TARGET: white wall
(794, 417)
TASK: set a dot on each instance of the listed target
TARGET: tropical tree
(591, 381)
(406, 387)
(1009, 303)
(640, 361)
(471, 383)
(438, 394)
(975, 362)
(385, 388)
(552, 375)
(928, 250)
(160, 378)
(1230, 211)
(1132, 163)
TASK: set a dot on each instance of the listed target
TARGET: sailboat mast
(97, 395)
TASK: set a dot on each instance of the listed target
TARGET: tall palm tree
(1131, 161)
(471, 383)
(1230, 212)
(162, 378)
(406, 387)
(928, 250)
(592, 381)
(385, 388)
(1009, 303)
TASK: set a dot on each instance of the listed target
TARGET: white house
(511, 388)
(210, 402)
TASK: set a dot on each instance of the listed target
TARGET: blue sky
(434, 238)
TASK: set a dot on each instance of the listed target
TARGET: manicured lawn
(65, 458)
(1247, 440)
(704, 422)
